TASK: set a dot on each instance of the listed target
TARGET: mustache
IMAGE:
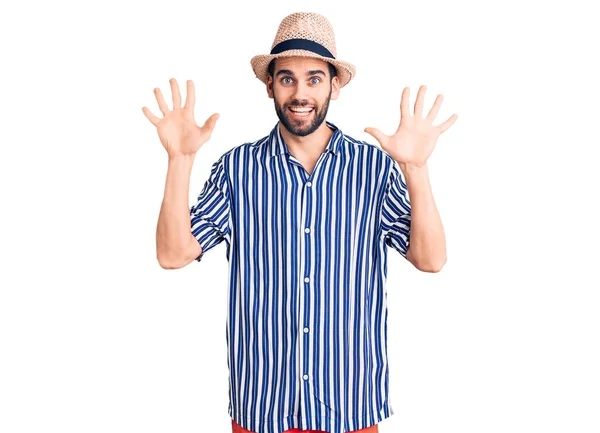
(299, 104)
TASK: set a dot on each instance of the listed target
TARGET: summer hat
(305, 34)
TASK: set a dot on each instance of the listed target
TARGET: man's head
(297, 84)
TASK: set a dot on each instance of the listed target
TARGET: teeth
(301, 110)
(301, 114)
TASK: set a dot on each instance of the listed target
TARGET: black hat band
(302, 44)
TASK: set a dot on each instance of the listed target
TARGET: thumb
(211, 122)
(379, 136)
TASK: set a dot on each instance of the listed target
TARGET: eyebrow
(309, 73)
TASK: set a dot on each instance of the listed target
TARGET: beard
(302, 127)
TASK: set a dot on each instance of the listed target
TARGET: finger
(379, 136)
(436, 107)
(190, 99)
(404, 110)
(151, 117)
(448, 123)
(176, 94)
(211, 122)
(419, 102)
(164, 109)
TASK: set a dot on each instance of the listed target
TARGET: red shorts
(239, 429)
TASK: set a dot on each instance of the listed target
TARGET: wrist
(182, 157)
(407, 167)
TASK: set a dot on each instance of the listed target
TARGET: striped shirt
(306, 325)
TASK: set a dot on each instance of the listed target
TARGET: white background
(96, 337)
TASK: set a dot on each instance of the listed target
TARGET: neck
(312, 144)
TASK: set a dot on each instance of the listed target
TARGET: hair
(332, 70)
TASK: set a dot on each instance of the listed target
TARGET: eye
(285, 78)
(315, 78)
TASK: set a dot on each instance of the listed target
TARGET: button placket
(305, 289)
(307, 202)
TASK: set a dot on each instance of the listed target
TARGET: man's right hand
(177, 130)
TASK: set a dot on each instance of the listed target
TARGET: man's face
(301, 90)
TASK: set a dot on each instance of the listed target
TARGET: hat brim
(260, 64)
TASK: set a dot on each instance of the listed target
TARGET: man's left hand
(415, 137)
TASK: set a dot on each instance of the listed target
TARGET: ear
(335, 87)
(270, 86)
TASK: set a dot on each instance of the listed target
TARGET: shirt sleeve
(210, 214)
(396, 212)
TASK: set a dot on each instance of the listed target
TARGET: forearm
(173, 229)
(427, 238)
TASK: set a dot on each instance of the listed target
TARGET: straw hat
(305, 34)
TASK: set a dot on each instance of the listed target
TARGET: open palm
(177, 130)
(415, 138)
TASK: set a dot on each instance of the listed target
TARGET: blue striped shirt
(306, 325)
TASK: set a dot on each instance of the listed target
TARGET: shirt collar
(278, 145)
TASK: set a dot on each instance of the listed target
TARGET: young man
(307, 213)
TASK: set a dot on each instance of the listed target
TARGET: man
(306, 213)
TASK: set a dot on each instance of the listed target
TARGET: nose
(301, 91)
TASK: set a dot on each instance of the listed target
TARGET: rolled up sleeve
(396, 212)
(211, 213)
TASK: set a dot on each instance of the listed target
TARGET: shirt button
(308, 183)
(305, 377)
(306, 280)
(305, 329)
(306, 230)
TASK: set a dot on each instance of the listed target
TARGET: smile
(301, 112)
